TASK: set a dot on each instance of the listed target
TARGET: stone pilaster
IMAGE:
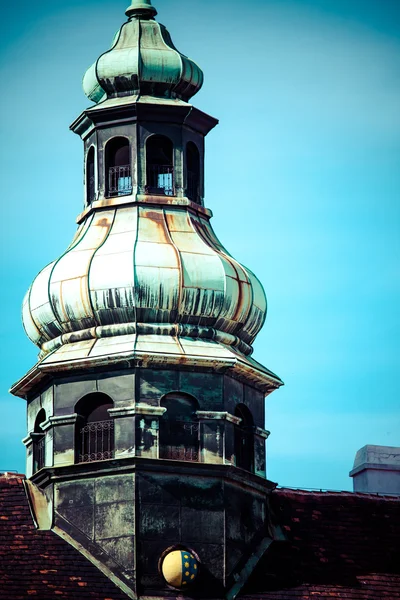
(217, 435)
(124, 431)
(147, 430)
(60, 439)
(28, 443)
(260, 435)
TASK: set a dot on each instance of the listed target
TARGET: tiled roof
(39, 564)
(339, 545)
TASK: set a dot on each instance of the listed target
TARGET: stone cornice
(263, 433)
(129, 411)
(146, 200)
(138, 409)
(208, 415)
(59, 420)
(28, 440)
(146, 409)
(254, 374)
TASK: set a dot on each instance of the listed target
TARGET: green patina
(142, 60)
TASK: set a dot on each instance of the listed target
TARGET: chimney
(376, 469)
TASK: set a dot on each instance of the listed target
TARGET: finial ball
(180, 568)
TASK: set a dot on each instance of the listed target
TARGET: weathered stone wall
(103, 509)
(137, 395)
(127, 521)
(179, 509)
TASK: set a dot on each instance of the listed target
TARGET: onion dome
(142, 60)
(156, 275)
(180, 568)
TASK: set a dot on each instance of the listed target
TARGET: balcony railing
(119, 181)
(160, 180)
(39, 452)
(96, 441)
(179, 440)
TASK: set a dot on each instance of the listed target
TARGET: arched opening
(193, 172)
(39, 441)
(90, 176)
(244, 438)
(118, 167)
(94, 428)
(179, 428)
(160, 166)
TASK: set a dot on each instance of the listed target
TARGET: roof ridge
(342, 493)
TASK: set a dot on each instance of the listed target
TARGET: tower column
(146, 408)
(124, 431)
(60, 439)
(216, 434)
(147, 427)
(260, 436)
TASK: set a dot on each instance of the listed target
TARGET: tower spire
(145, 326)
(142, 9)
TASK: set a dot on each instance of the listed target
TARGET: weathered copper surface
(155, 272)
(142, 60)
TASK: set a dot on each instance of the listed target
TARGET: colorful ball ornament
(179, 568)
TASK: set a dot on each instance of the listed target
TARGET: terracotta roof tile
(339, 545)
(39, 564)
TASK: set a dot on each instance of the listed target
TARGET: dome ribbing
(151, 270)
(142, 60)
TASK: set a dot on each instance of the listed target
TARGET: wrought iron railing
(119, 181)
(160, 180)
(39, 452)
(193, 192)
(96, 441)
(179, 440)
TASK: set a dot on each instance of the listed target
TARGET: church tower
(146, 439)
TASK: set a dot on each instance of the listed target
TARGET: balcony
(160, 180)
(179, 440)
(96, 441)
(119, 181)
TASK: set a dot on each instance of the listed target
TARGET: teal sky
(302, 176)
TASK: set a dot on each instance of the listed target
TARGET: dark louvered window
(39, 440)
(244, 438)
(90, 176)
(179, 428)
(118, 167)
(193, 172)
(160, 166)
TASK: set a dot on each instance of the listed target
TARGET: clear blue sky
(302, 175)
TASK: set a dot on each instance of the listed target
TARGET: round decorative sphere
(179, 568)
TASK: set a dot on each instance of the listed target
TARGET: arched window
(179, 428)
(39, 441)
(193, 172)
(90, 176)
(160, 166)
(94, 428)
(118, 167)
(244, 438)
